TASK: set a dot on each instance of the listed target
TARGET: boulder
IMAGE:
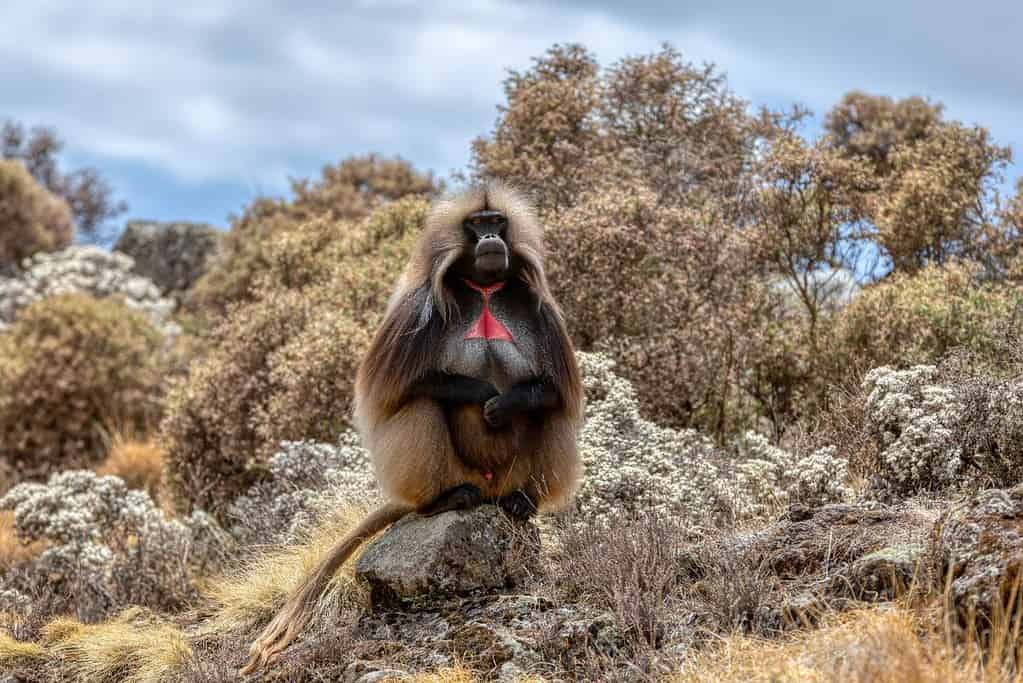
(173, 255)
(881, 575)
(454, 553)
(977, 548)
(824, 539)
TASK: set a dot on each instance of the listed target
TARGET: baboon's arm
(448, 388)
(521, 398)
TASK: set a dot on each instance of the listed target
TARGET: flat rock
(454, 553)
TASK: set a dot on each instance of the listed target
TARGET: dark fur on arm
(521, 398)
(448, 388)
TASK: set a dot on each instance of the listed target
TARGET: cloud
(190, 98)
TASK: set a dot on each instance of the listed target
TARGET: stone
(977, 551)
(454, 553)
(828, 537)
(881, 575)
(172, 255)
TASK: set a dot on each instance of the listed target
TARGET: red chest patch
(487, 326)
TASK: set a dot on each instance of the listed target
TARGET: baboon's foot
(280, 632)
(459, 498)
(518, 505)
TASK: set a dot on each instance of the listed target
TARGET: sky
(192, 109)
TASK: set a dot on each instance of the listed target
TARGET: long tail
(293, 617)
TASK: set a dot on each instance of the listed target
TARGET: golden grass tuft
(893, 645)
(12, 550)
(15, 652)
(139, 462)
(253, 595)
(120, 650)
(451, 674)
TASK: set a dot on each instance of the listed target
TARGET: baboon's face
(487, 257)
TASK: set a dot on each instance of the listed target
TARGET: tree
(88, 195)
(31, 219)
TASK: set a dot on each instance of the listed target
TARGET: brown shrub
(282, 367)
(667, 291)
(908, 319)
(346, 193)
(31, 219)
(73, 368)
(138, 463)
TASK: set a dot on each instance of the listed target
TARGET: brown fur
(418, 451)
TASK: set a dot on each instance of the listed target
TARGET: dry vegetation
(798, 352)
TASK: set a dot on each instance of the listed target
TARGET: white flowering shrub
(914, 420)
(108, 546)
(765, 477)
(633, 465)
(85, 270)
(307, 478)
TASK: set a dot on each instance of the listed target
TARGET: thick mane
(442, 242)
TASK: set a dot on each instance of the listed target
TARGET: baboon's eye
(494, 220)
(476, 221)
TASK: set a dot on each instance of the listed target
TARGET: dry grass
(253, 595)
(891, 645)
(125, 649)
(12, 550)
(458, 674)
(139, 462)
(16, 653)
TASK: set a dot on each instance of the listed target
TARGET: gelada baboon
(469, 392)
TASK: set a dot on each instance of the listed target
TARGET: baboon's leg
(518, 504)
(414, 459)
(459, 498)
(556, 467)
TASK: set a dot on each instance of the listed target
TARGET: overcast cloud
(193, 109)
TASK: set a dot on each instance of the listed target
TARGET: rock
(880, 575)
(978, 545)
(831, 536)
(454, 553)
(173, 255)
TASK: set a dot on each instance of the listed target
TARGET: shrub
(667, 291)
(31, 219)
(86, 192)
(633, 465)
(933, 432)
(346, 194)
(282, 367)
(910, 319)
(138, 463)
(307, 479)
(87, 270)
(72, 369)
(108, 547)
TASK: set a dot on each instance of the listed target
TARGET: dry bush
(908, 319)
(31, 219)
(345, 194)
(633, 567)
(107, 547)
(73, 368)
(139, 463)
(86, 192)
(666, 291)
(282, 368)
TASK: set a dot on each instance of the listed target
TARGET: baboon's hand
(498, 411)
